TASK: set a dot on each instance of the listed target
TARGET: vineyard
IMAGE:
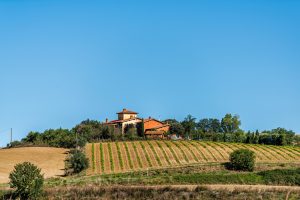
(116, 157)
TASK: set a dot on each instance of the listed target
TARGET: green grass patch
(119, 156)
(154, 152)
(281, 176)
(128, 155)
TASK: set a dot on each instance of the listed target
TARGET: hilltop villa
(153, 128)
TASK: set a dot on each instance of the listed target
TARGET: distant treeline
(228, 130)
(209, 129)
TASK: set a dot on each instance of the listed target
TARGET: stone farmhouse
(153, 128)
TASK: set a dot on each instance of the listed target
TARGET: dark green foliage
(14, 144)
(78, 161)
(242, 159)
(177, 129)
(189, 125)
(26, 178)
(140, 129)
(209, 125)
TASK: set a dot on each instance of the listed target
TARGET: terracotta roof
(157, 127)
(124, 120)
(125, 111)
(154, 132)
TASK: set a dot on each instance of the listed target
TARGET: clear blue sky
(65, 61)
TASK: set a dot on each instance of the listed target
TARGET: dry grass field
(116, 157)
(50, 160)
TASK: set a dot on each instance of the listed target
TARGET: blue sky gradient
(65, 61)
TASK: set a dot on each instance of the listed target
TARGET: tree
(140, 128)
(170, 121)
(78, 161)
(32, 137)
(177, 129)
(189, 125)
(209, 125)
(26, 178)
(242, 159)
(230, 124)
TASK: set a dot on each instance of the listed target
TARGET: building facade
(153, 128)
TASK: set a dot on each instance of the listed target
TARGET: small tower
(126, 114)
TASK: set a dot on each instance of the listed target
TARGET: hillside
(50, 160)
(116, 157)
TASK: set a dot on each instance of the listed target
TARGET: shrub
(78, 161)
(242, 159)
(27, 180)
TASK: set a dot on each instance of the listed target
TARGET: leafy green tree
(177, 129)
(26, 178)
(230, 124)
(170, 121)
(242, 159)
(78, 161)
(189, 125)
(140, 128)
(209, 125)
(32, 137)
(89, 129)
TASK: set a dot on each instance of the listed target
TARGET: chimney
(106, 120)
(150, 117)
(124, 109)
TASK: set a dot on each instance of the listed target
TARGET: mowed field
(50, 160)
(117, 157)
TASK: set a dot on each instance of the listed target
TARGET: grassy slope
(145, 155)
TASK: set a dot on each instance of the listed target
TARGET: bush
(78, 161)
(27, 180)
(242, 159)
